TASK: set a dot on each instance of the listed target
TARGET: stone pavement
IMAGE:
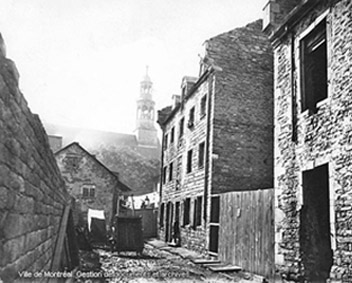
(158, 263)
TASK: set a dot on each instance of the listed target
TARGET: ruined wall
(32, 192)
(79, 169)
(243, 109)
(322, 138)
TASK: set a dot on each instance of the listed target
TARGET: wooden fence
(246, 234)
(149, 221)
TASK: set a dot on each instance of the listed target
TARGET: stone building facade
(33, 197)
(90, 182)
(217, 136)
(312, 44)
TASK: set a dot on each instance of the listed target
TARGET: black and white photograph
(176, 141)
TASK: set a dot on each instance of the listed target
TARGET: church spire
(145, 119)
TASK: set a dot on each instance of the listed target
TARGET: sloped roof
(115, 175)
(91, 139)
(230, 53)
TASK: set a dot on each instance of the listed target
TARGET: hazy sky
(81, 61)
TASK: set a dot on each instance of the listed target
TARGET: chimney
(176, 99)
(275, 12)
(55, 142)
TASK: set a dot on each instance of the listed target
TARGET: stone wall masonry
(87, 171)
(32, 192)
(323, 138)
(243, 110)
(186, 185)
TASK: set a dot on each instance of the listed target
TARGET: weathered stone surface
(323, 137)
(81, 169)
(25, 161)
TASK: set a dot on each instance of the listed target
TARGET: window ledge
(307, 112)
(323, 102)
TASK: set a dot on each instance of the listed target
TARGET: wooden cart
(128, 234)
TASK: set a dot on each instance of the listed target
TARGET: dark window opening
(203, 106)
(171, 168)
(88, 192)
(189, 161)
(186, 211)
(314, 232)
(199, 211)
(172, 136)
(182, 122)
(191, 117)
(314, 68)
(201, 155)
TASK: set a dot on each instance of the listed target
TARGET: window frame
(203, 106)
(186, 212)
(201, 155)
(171, 171)
(181, 127)
(88, 191)
(300, 58)
(189, 161)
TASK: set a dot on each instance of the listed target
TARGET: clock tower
(146, 132)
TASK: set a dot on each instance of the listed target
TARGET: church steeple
(145, 125)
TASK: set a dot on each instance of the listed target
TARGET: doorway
(315, 240)
(169, 217)
(214, 225)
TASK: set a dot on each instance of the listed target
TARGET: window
(164, 174)
(191, 117)
(182, 122)
(172, 136)
(189, 161)
(203, 106)
(171, 171)
(88, 191)
(186, 210)
(165, 141)
(201, 155)
(314, 68)
(197, 212)
(179, 172)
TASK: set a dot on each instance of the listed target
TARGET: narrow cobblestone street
(157, 265)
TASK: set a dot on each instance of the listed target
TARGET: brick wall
(32, 193)
(243, 110)
(322, 138)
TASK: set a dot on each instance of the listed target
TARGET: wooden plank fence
(246, 235)
(149, 221)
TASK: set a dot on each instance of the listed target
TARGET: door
(214, 224)
(169, 217)
(315, 240)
